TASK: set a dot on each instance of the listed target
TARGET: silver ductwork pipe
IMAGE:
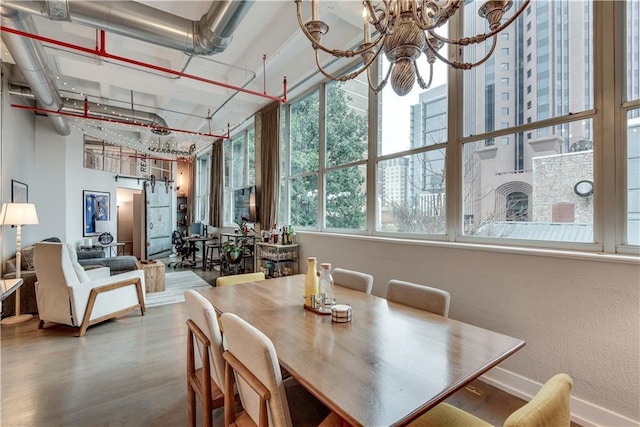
(31, 59)
(211, 34)
(101, 111)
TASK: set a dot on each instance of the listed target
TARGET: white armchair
(69, 295)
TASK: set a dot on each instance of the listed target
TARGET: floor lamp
(18, 214)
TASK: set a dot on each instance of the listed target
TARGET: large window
(631, 104)
(203, 170)
(411, 183)
(523, 159)
(304, 155)
(239, 167)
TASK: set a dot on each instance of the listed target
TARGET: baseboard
(584, 413)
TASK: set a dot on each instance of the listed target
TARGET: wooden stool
(211, 256)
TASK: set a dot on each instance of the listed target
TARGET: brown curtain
(191, 194)
(216, 192)
(267, 133)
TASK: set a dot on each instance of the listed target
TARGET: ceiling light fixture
(405, 30)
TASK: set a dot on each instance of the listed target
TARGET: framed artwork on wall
(96, 207)
(19, 192)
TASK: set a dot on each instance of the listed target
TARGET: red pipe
(102, 52)
(123, 122)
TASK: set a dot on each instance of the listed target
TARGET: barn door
(158, 197)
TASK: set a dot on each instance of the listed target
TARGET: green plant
(234, 248)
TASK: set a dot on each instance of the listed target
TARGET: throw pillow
(10, 266)
(72, 252)
(82, 275)
(27, 258)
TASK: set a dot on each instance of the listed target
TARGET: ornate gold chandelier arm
(462, 65)
(382, 84)
(419, 77)
(479, 38)
(351, 75)
(421, 19)
(335, 52)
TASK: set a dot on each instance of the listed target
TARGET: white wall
(63, 180)
(577, 316)
(17, 151)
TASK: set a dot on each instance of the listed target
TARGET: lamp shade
(103, 226)
(18, 214)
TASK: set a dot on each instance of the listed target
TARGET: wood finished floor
(128, 372)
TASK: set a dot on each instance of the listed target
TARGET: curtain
(216, 186)
(268, 139)
(191, 194)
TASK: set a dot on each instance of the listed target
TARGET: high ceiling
(268, 29)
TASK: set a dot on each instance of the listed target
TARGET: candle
(367, 33)
(314, 10)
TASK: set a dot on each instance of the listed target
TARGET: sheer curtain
(267, 133)
(216, 187)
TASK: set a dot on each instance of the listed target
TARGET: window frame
(609, 130)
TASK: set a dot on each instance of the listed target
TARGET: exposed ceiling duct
(101, 111)
(211, 34)
(31, 59)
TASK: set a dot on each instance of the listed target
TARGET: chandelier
(404, 30)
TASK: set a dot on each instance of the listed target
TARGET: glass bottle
(325, 285)
(311, 282)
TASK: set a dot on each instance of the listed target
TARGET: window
(203, 177)
(239, 167)
(345, 174)
(632, 98)
(524, 144)
(304, 154)
(116, 159)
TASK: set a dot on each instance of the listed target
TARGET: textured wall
(577, 316)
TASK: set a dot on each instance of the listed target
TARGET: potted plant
(234, 248)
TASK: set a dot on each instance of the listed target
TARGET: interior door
(158, 219)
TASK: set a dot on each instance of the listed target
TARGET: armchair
(69, 295)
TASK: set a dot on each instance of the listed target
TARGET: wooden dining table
(386, 367)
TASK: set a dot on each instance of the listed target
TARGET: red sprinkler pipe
(101, 51)
(123, 122)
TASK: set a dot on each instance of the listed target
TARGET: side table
(153, 275)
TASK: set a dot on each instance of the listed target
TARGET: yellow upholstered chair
(550, 407)
(267, 398)
(237, 279)
(418, 296)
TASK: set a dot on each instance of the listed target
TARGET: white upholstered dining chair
(353, 279)
(266, 398)
(69, 295)
(423, 297)
(205, 365)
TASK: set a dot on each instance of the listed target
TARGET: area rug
(175, 283)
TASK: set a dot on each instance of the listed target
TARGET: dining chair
(237, 279)
(353, 279)
(549, 407)
(418, 296)
(205, 373)
(267, 399)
